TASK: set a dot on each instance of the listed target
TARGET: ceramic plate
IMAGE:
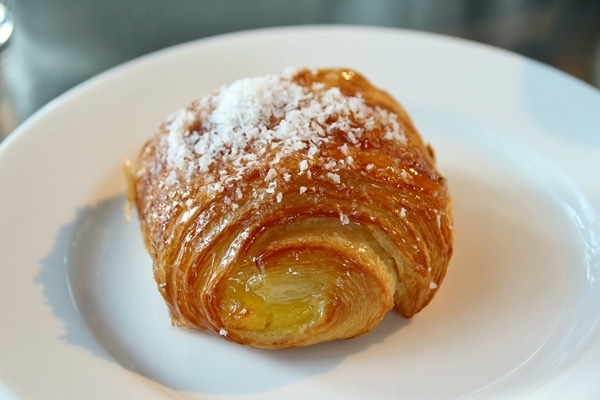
(516, 316)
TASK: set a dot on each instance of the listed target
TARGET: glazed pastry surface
(292, 209)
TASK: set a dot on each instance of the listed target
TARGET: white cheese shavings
(330, 165)
(271, 175)
(271, 187)
(334, 177)
(344, 149)
(433, 285)
(255, 122)
(303, 166)
(344, 219)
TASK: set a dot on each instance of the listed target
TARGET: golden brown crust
(297, 246)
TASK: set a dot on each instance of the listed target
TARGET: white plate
(517, 315)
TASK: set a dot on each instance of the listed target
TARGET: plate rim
(22, 130)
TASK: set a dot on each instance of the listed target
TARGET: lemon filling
(273, 300)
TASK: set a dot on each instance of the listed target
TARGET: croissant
(292, 209)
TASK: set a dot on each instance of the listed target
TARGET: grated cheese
(255, 122)
(344, 219)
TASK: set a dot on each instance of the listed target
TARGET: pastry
(292, 209)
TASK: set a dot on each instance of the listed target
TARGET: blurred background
(52, 45)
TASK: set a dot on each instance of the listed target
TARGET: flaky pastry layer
(292, 209)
